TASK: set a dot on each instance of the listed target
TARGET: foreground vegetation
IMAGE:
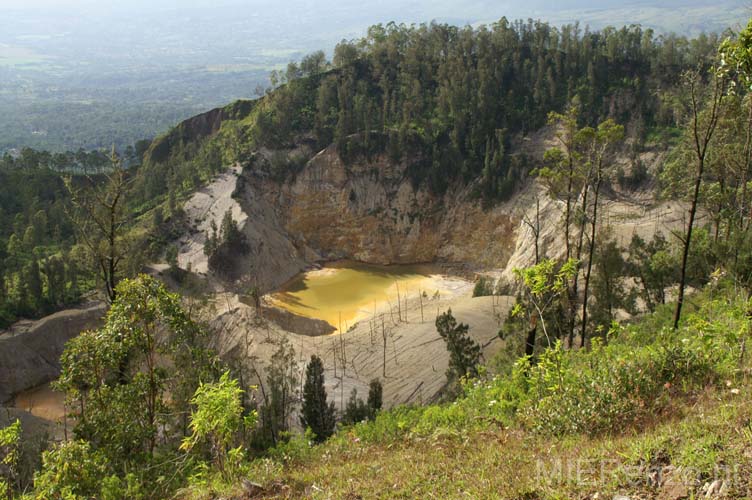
(649, 399)
(646, 409)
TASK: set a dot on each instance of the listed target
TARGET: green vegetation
(55, 228)
(483, 287)
(10, 438)
(278, 397)
(217, 418)
(155, 413)
(445, 100)
(221, 245)
(638, 371)
(513, 421)
(42, 266)
(464, 352)
(358, 410)
(317, 414)
(649, 396)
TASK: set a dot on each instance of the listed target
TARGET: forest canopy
(447, 100)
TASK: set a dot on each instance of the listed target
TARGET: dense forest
(44, 264)
(446, 102)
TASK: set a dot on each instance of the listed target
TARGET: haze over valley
(129, 71)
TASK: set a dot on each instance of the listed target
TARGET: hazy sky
(263, 32)
(101, 5)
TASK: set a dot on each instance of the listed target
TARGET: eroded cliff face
(32, 357)
(370, 212)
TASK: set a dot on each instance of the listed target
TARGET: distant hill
(77, 73)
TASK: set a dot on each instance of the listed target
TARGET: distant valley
(146, 68)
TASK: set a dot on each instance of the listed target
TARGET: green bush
(484, 286)
(71, 471)
(10, 438)
(617, 384)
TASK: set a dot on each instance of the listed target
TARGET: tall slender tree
(101, 220)
(704, 113)
(317, 413)
(602, 141)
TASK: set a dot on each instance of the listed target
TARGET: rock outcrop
(193, 130)
(32, 357)
(368, 212)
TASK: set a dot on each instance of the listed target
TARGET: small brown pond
(42, 402)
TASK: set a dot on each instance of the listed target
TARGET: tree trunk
(591, 252)
(702, 140)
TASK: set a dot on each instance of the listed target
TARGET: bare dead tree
(702, 128)
(534, 226)
(399, 303)
(420, 298)
(100, 218)
(383, 335)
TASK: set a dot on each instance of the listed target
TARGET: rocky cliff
(191, 131)
(32, 357)
(366, 211)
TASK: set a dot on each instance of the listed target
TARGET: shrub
(9, 454)
(483, 286)
(617, 384)
(71, 471)
(633, 376)
(217, 417)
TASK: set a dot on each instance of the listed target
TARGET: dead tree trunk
(702, 134)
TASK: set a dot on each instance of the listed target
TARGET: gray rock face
(32, 358)
(298, 324)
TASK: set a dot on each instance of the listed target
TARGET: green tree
(375, 396)
(601, 142)
(567, 175)
(10, 444)
(217, 417)
(483, 287)
(212, 240)
(356, 409)
(545, 291)
(703, 110)
(562, 171)
(608, 290)
(33, 285)
(119, 377)
(314, 63)
(464, 352)
(317, 414)
(101, 219)
(278, 395)
(654, 266)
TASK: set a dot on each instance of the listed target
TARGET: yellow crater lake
(348, 292)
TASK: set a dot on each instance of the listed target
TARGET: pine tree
(464, 352)
(316, 413)
(33, 284)
(375, 397)
(355, 410)
(212, 241)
